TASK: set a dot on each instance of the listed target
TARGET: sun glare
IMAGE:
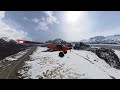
(73, 16)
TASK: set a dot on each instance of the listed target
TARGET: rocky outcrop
(10, 47)
(80, 46)
(108, 55)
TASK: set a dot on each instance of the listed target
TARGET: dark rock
(108, 55)
(80, 45)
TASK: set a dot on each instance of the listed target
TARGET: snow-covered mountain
(113, 39)
(103, 40)
(97, 39)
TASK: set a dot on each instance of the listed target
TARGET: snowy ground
(75, 65)
(117, 53)
(15, 56)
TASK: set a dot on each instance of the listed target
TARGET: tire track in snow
(84, 58)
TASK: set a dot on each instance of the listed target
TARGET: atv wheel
(61, 54)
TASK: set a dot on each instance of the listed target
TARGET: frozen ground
(74, 65)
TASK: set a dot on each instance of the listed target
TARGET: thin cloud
(35, 20)
(46, 20)
(25, 18)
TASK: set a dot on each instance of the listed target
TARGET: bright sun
(73, 16)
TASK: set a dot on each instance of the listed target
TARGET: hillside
(9, 47)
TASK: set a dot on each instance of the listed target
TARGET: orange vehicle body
(53, 47)
(57, 47)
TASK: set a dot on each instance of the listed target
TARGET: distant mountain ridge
(112, 39)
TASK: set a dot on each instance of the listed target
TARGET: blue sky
(46, 25)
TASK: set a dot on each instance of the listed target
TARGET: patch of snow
(117, 53)
(75, 65)
(15, 56)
